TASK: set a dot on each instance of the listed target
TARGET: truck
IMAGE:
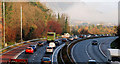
(17, 61)
(114, 56)
(51, 36)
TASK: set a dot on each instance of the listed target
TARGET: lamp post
(4, 21)
(21, 24)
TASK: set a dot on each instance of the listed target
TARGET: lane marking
(87, 51)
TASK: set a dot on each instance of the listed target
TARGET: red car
(17, 61)
(29, 50)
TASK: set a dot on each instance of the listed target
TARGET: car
(76, 37)
(81, 36)
(17, 61)
(57, 42)
(64, 40)
(49, 49)
(71, 38)
(41, 43)
(52, 44)
(34, 47)
(92, 62)
(94, 42)
(88, 36)
(29, 50)
(45, 60)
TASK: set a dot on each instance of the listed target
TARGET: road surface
(83, 51)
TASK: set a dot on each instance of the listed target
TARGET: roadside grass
(116, 44)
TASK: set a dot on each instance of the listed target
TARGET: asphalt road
(84, 50)
(36, 57)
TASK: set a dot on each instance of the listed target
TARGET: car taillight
(49, 61)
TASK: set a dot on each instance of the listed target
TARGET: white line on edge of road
(101, 49)
(56, 50)
(19, 54)
(72, 54)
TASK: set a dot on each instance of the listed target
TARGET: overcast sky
(91, 11)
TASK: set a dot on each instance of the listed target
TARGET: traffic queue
(51, 43)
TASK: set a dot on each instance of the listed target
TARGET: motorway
(84, 50)
(36, 57)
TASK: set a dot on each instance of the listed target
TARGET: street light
(4, 21)
(21, 24)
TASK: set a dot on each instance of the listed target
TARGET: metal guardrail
(19, 43)
(73, 43)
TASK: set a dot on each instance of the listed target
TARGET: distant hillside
(35, 16)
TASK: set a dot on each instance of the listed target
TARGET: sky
(90, 11)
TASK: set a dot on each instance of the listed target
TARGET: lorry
(114, 56)
(51, 36)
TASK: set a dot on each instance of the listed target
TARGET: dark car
(45, 60)
(64, 40)
(94, 42)
(57, 42)
(33, 46)
(41, 43)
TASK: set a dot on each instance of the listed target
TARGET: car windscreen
(94, 41)
(28, 48)
(39, 42)
(46, 59)
(64, 38)
(50, 34)
(49, 47)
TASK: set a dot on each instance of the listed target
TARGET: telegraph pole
(21, 24)
(4, 20)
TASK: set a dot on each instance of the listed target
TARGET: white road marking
(72, 53)
(87, 51)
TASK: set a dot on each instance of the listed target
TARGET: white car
(52, 44)
(49, 49)
(76, 37)
(92, 62)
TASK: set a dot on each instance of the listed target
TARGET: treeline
(37, 21)
(94, 29)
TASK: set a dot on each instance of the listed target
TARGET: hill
(37, 20)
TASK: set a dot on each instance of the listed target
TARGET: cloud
(93, 12)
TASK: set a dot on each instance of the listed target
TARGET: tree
(53, 26)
